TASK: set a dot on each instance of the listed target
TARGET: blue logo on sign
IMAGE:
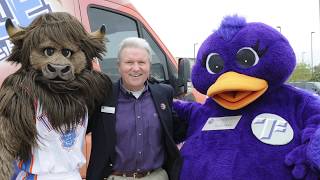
(21, 12)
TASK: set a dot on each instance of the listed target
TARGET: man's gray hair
(134, 42)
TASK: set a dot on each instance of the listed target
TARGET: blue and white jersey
(58, 155)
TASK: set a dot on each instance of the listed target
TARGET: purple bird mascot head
(252, 125)
(241, 61)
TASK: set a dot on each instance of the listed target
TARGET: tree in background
(316, 73)
(302, 72)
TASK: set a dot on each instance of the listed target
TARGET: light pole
(194, 51)
(279, 27)
(311, 50)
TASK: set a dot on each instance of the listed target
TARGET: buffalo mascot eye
(48, 51)
(66, 52)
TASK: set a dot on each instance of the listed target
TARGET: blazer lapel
(161, 105)
(109, 119)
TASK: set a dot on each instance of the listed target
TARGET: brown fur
(65, 102)
(59, 29)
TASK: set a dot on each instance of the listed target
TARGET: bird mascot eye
(214, 63)
(247, 57)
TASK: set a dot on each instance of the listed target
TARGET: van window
(158, 63)
(118, 28)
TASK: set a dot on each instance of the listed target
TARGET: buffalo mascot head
(55, 53)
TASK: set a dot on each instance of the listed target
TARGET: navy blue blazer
(102, 127)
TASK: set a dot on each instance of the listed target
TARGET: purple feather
(230, 26)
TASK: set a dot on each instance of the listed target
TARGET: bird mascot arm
(188, 113)
(305, 158)
(184, 109)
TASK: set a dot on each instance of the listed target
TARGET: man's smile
(135, 75)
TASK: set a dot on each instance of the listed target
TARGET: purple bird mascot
(252, 126)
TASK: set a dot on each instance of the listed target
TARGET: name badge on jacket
(108, 109)
(221, 123)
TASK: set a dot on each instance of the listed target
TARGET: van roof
(125, 3)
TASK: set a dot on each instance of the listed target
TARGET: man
(132, 132)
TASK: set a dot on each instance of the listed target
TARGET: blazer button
(110, 164)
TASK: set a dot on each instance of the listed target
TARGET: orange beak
(234, 91)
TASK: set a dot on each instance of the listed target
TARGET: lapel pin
(162, 106)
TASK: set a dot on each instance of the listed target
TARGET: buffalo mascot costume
(252, 126)
(44, 106)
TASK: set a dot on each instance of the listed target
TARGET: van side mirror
(183, 74)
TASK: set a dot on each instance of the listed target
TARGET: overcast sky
(180, 24)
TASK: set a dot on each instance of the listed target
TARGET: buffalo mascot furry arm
(253, 126)
(49, 97)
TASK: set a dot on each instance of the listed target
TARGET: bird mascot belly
(252, 126)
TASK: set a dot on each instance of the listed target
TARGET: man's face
(134, 68)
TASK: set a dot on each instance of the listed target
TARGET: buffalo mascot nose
(57, 71)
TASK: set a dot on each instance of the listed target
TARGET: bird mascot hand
(297, 159)
(305, 158)
(313, 151)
